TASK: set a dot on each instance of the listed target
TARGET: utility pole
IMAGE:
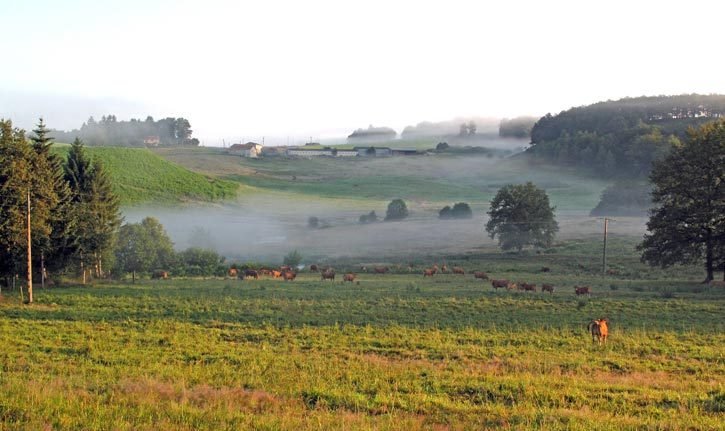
(30, 258)
(604, 251)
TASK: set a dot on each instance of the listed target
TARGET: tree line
(133, 133)
(621, 137)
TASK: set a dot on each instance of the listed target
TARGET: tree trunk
(83, 270)
(133, 276)
(709, 260)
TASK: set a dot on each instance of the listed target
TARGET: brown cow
(444, 269)
(582, 290)
(278, 274)
(512, 286)
(251, 273)
(480, 274)
(381, 269)
(160, 275)
(458, 270)
(528, 287)
(349, 277)
(328, 274)
(313, 268)
(547, 288)
(545, 269)
(429, 272)
(599, 330)
(499, 283)
(232, 272)
(289, 275)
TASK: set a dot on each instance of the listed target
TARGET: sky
(247, 69)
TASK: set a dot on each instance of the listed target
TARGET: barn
(250, 149)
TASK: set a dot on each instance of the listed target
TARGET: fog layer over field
(279, 194)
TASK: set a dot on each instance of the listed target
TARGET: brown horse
(499, 283)
(459, 270)
(582, 290)
(480, 274)
(328, 274)
(528, 287)
(599, 330)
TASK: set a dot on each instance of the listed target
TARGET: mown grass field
(140, 176)
(396, 351)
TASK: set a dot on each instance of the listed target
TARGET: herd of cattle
(287, 273)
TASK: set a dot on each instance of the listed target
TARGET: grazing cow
(313, 268)
(160, 275)
(545, 269)
(251, 273)
(328, 274)
(429, 272)
(582, 290)
(278, 274)
(289, 275)
(599, 330)
(547, 288)
(232, 273)
(349, 277)
(444, 269)
(480, 274)
(499, 283)
(458, 270)
(528, 287)
(512, 286)
(381, 269)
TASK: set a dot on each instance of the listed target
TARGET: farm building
(250, 149)
(152, 141)
(301, 152)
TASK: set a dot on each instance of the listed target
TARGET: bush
(460, 210)
(397, 210)
(200, 262)
(371, 217)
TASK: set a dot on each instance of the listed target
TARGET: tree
(200, 261)
(95, 209)
(471, 128)
(520, 215)
(442, 146)
(143, 246)
(292, 259)
(445, 213)
(687, 223)
(397, 210)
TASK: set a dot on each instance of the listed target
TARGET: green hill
(141, 176)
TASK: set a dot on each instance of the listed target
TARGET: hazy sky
(300, 68)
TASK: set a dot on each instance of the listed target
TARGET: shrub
(460, 210)
(397, 210)
(371, 217)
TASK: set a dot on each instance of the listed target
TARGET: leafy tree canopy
(520, 216)
(687, 223)
(397, 210)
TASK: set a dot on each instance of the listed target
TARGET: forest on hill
(109, 131)
(623, 137)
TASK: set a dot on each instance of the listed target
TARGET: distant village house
(151, 141)
(250, 149)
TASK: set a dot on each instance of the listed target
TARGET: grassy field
(140, 176)
(395, 351)
(439, 178)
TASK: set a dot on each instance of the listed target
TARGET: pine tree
(95, 209)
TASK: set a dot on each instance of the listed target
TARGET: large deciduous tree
(687, 223)
(143, 247)
(520, 216)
